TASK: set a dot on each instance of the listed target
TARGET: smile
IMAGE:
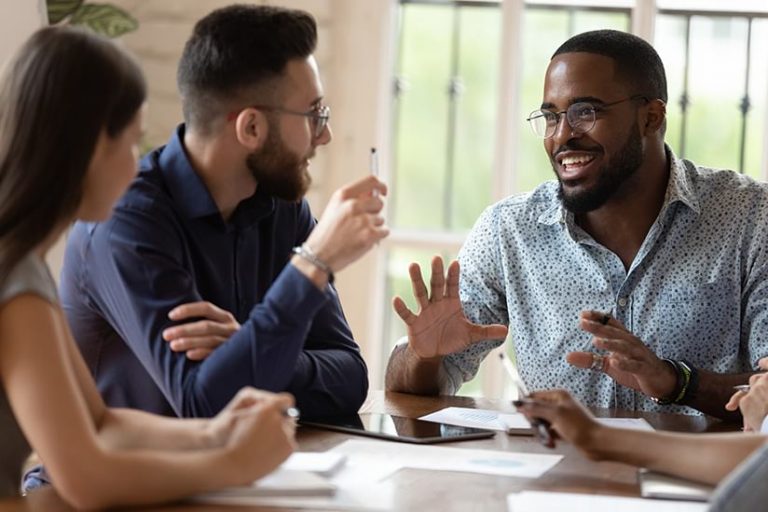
(574, 165)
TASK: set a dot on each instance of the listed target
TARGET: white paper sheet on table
(378, 497)
(365, 494)
(504, 421)
(394, 456)
(534, 501)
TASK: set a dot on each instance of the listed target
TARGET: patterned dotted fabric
(697, 288)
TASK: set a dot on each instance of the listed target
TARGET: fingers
(199, 309)
(487, 332)
(418, 286)
(405, 314)
(452, 282)
(200, 328)
(437, 280)
(366, 185)
(763, 363)
(370, 205)
(630, 348)
(197, 342)
(580, 359)
(248, 397)
(733, 403)
(600, 317)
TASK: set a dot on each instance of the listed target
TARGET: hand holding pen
(540, 427)
(567, 419)
(752, 399)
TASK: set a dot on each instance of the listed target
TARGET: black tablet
(398, 428)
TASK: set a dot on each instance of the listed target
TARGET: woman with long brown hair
(71, 107)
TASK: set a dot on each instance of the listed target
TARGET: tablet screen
(399, 428)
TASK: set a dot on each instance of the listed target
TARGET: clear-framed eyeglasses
(580, 116)
(318, 117)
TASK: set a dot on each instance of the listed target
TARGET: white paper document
(477, 418)
(660, 485)
(438, 458)
(322, 463)
(513, 422)
(534, 501)
(308, 480)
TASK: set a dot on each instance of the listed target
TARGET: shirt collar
(190, 194)
(679, 189)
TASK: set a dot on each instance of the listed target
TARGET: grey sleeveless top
(31, 275)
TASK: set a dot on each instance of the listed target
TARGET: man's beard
(609, 180)
(278, 172)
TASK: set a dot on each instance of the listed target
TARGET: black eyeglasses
(581, 117)
(318, 117)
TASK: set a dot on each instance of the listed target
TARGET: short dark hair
(236, 49)
(62, 88)
(636, 60)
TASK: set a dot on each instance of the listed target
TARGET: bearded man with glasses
(213, 273)
(635, 280)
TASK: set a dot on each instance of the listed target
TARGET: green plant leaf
(60, 9)
(104, 19)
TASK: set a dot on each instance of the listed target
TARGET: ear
(251, 128)
(655, 117)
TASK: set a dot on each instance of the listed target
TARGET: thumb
(733, 403)
(580, 359)
(487, 332)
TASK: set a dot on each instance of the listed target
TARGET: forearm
(701, 457)
(407, 373)
(110, 478)
(133, 429)
(714, 391)
(329, 382)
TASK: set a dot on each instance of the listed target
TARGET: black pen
(540, 426)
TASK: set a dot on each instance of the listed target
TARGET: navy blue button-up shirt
(167, 244)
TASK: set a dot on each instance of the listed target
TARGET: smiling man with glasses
(635, 279)
(213, 273)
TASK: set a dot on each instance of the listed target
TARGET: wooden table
(442, 490)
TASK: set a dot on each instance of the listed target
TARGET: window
(448, 107)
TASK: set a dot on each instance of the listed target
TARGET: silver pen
(291, 412)
(540, 426)
(742, 387)
(374, 167)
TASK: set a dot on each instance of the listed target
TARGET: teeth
(575, 160)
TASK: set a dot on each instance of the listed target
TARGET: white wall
(18, 19)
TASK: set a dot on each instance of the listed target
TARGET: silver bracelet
(308, 254)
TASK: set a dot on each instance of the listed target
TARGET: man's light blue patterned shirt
(697, 288)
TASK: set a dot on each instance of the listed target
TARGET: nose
(563, 131)
(325, 136)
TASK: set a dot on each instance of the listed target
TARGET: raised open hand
(440, 327)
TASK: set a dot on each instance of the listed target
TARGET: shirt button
(622, 302)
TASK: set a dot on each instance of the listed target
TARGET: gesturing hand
(629, 361)
(201, 337)
(440, 327)
(351, 223)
